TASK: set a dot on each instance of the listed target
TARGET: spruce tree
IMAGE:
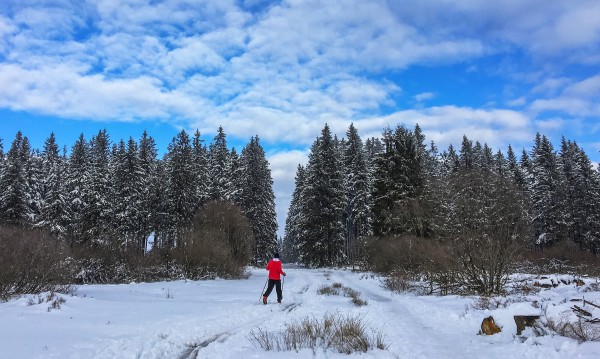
(399, 181)
(549, 224)
(13, 184)
(76, 188)
(515, 170)
(148, 164)
(97, 214)
(54, 211)
(218, 158)
(201, 170)
(235, 178)
(181, 188)
(321, 239)
(257, 199)
(293, 220)
(358, 187)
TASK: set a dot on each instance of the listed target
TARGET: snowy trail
(213, 319)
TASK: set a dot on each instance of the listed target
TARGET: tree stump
(489, 327)
(524, 321)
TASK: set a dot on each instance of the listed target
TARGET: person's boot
(264, 299)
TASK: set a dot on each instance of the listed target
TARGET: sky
(495, 71)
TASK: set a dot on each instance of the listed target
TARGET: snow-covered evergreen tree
(257, 199)
(181, 188)
(54, 212)
(33, 175)
(398, 184)
(321, 241)
(97, 214)
(148, 164)
(235, 175)
(583, 197)
(13, 183)
(218, 158)
(357, 181)
(467, 154)
(515, 170)
(293, 220)
(75, 183)
(549, 221)
(127, 196)
(201, 169)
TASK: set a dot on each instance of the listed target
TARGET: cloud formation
(281, 69)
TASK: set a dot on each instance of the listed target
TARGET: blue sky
(496, 71)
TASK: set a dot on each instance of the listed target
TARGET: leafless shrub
(415, 264)
(580, 330)
(220, 239)
(398, 282)
(358, 301)
(345, 334)
(327, 290)
(31, 261)
(335, 288)
(565, 257)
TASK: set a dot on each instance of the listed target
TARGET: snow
(212, 319)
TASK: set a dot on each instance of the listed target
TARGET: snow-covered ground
(212, 319)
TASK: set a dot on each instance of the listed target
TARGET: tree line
(399, 185)
(117, 195)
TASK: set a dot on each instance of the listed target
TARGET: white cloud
(284, 71)
(577, 99)
(518, 102)
(424, 96)
(283, 166)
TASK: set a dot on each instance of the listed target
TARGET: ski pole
(263, 290)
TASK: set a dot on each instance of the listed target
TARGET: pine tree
(181, 188)
(515, 171)
(257, 199)
(97, 214)
(322, 229)
(467, 154)
(13, 184)
(76, 188)
(218, 158)
(358, 187)
(398, 185)
(33, 181)
(235, 176)
(582, 191)
(549, 224)
(450, 161)
(500, 164)
(201, 170)
(148, 164)
(127, 196)
(54, 210)
(294, 220)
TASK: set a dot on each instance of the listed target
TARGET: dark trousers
(277, 284)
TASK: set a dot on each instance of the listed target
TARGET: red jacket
(274, 268)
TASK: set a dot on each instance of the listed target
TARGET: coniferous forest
(398, 203)
(113, 211)
(103, 202)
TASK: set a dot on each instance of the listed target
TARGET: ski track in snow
(213, 319)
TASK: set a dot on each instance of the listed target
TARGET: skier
(274, 268)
